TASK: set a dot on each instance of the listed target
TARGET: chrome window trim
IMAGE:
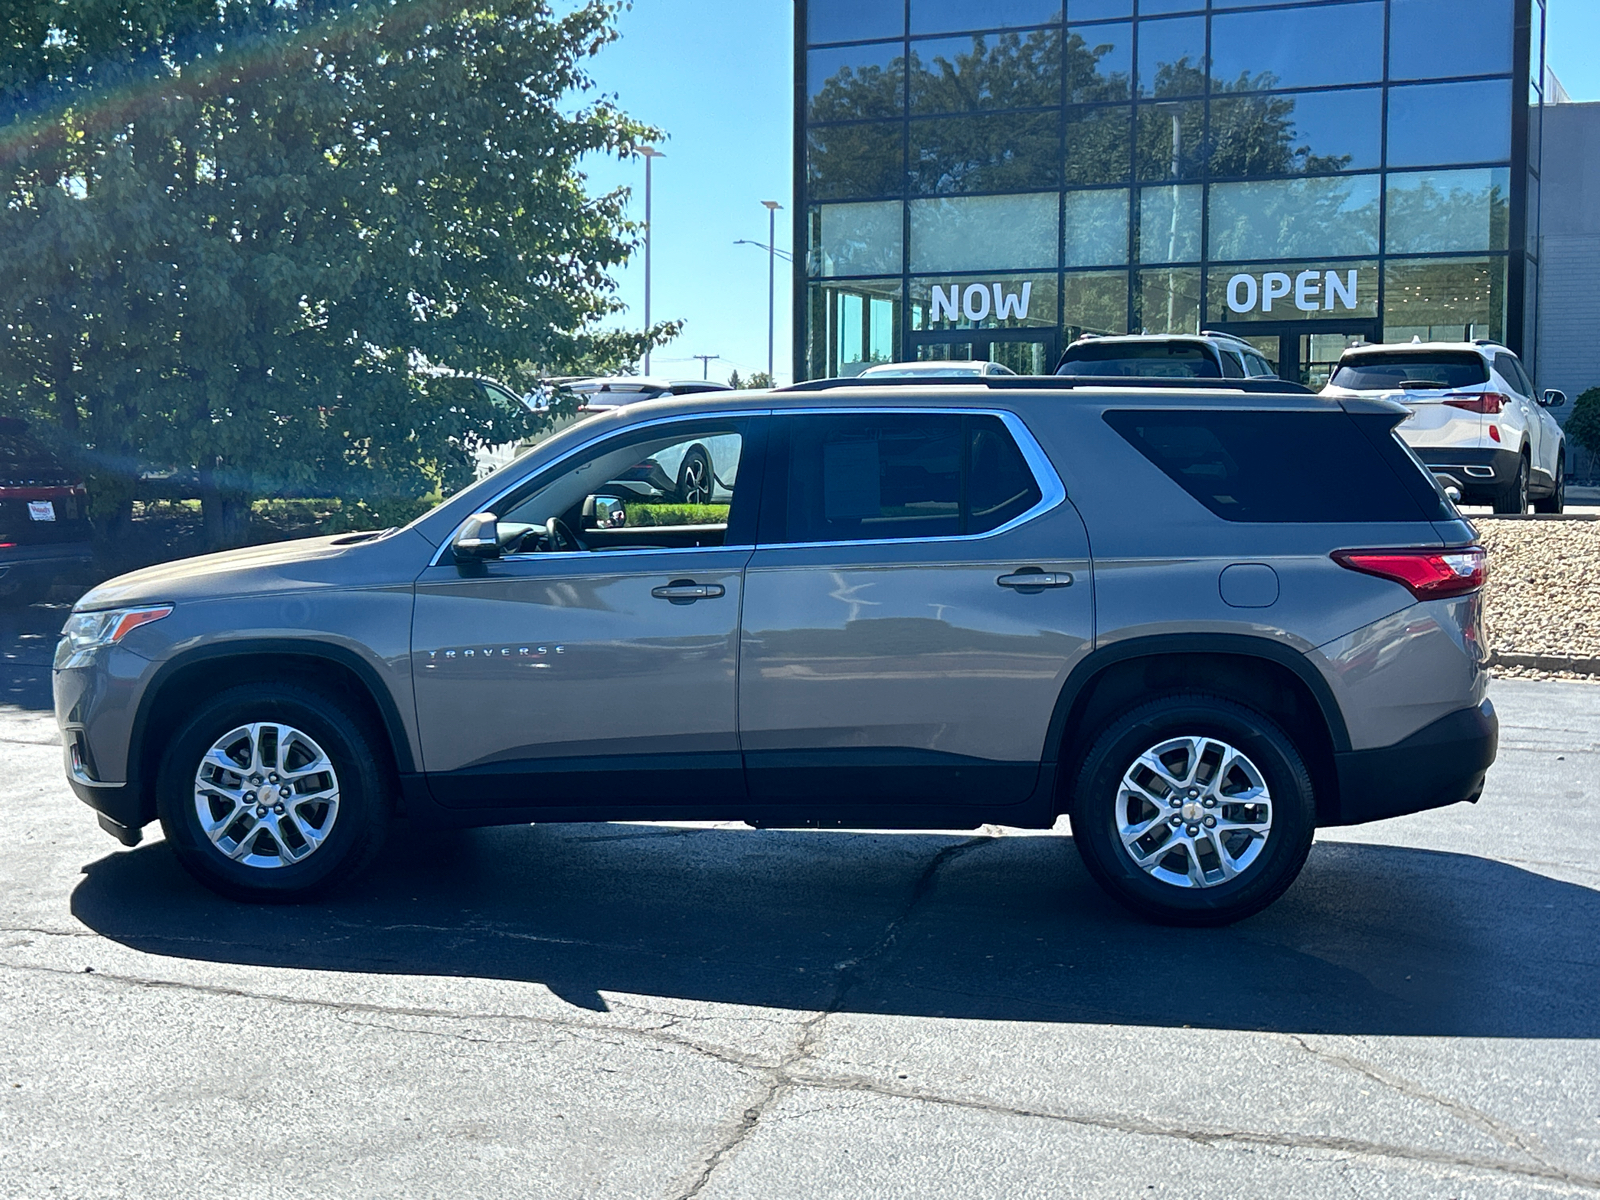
(1053, 492)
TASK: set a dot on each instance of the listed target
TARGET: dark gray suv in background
(1199, 620)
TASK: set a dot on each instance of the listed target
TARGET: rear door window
(1285, 467)
(1511, 367)
(865, 477)
(1411, 369)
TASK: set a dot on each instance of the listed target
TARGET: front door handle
(1028, 582)
(687, 591)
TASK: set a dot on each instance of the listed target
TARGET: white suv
(1476, 420)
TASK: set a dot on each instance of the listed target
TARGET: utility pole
(772, 207)
(705, 361)
(650, 155)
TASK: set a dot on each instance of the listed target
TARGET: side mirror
(1453, 494)
(478, 539)
(604, 512)
(1553, 398)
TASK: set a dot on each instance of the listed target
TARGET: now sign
(979, 301)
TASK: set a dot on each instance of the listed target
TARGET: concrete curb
(1534, 517)
(1546, 662)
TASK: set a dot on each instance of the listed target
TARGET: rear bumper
(1472, 470)
(1442, 763)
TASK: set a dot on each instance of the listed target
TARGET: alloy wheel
(266, 795)
(1193, 812)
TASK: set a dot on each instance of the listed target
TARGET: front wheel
(1194, 810)
(273, 793)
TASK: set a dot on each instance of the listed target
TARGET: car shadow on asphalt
(1371, 940)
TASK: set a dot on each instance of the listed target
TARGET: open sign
(1306, 291)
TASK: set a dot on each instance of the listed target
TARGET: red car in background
(44, 527)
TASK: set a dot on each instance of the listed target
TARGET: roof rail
(1059, 383)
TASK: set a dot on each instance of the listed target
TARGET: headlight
(87, 632)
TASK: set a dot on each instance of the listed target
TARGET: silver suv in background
(889, 616)
(1205, 355)
(1476, 420)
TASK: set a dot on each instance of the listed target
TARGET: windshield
(1411, 369)
(928, 372)
(1159, 360)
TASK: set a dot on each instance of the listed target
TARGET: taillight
(1429, 574)
(1478, 402)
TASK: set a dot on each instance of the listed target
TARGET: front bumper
(1442, 763)
(1474, 471)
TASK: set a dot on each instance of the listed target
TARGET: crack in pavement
(356, 1007)
(1212, 1136)
(788, 1075)
(1506, 1135)
(781, 1077)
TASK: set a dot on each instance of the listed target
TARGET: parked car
(44, 526)
(897, 622)
(1201, 356)
(936, 369)
(603, 392)
(1476, 419)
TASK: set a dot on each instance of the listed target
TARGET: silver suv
(1200, 621)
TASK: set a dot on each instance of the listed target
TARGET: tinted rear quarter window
(1157, 360)
(1416, 369)
(857, 477)
(1285, 467)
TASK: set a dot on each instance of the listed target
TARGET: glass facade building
(992, 178)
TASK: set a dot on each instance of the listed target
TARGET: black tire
(1276, 862)
(696, 483)
(1513, 498)
(1556, 501)
(355, 833)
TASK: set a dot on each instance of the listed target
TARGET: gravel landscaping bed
(1543, 598)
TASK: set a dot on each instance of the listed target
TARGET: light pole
(650, 155)
(772, 207)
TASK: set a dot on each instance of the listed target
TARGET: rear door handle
(687, 591)
(1035, 581)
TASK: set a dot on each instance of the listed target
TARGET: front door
(1025, 351)
(595, 661)
(1303, 351)
(921, 590)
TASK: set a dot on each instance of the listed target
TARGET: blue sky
(717, 75)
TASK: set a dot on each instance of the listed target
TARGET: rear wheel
(1513, 498)
(695, 480)
(1194, 810)
(1556, 501)
(273, 793)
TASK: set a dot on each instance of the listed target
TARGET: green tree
(1583, 426)
(273, 240)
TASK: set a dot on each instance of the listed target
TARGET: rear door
(1425, 381)
(920, 590)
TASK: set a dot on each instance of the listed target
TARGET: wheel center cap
(1192, 812)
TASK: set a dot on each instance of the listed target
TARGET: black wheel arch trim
(1161, 645)
(393, 727)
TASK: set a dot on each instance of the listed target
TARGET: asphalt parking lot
(668, 1012)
